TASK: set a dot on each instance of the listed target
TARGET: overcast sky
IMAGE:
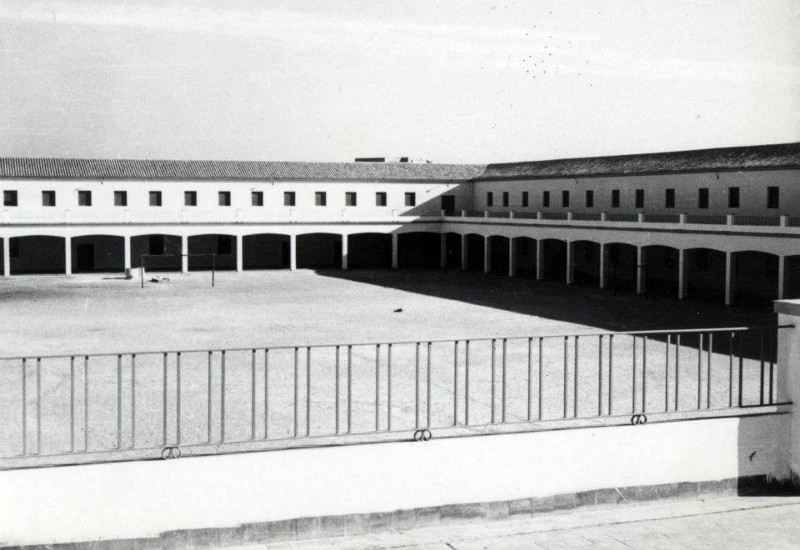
(452, 81)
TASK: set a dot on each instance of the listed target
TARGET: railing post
(640, 217)
(538, 214)
(485, 213)
(602, 216)
(510, 214)
(463, 213)
(784, 221)
(681, 219)
(728, 219)
(569, 216)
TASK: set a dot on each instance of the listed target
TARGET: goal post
(155, 259)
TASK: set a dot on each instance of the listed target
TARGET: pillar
(443, 250)
(126, 240)
(787, 388)
(730, 266)
(345, 239)
(184, 252)
(394, 250)
(640, 270)
(539, 260)
(487, 255)
(293, 252)
(682, 270)
(512, 257)
(464, 251)
(570, 272)
(239, 254)
(68, 255)
(603, 281)
(6, 256)
(781, 277)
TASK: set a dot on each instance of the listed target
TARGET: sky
(449, 81)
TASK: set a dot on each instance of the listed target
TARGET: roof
(108, 169)
(785, 155)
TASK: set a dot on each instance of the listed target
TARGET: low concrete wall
(142, 499)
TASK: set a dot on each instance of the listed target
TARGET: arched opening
(98, 253)
(755, 279)
(162, 252)
(525, 254)
(369, 250)
(586, 263)
(452, 246)
(474, 252)
(621, 270)
(661, 270)
(554, 254)
(498, 250)
(319, 250)
(39, 254)
(419, 250)
(265, 251)
(218, 251)
(705, 274)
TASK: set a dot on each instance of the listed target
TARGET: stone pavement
(722, 522)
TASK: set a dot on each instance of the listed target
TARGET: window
(48, 198)
(525, 199)
(120, 198)
(489, 199)
(565, 199)
(702, 197)
(411, 199)
(256, 198)
(155, 198)
(546, 199)
(9, 198)
(224, 198)
(733, 197)
(669, 198)
(84, 198)
(320, 198)
(773, 197)
(350, 199)
(589, 198)
(190, 198)
(615, 198)
(380, 198)
(288, 198)
(639, 198)
(505, 199)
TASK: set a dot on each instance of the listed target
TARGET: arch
(222, 246)
(755, 277)
(419, 249)
(661, 269)
(452, 247)
(554, 258)
(525, 256)
(474, 252)
(319, 250)
(98, 253)
(37, 254)
(705, 274)
(498, 254)
(266, 251)
(163, 250)
(621, 267)
(586, 263)
(369, 250)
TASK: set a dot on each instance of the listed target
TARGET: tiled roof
(232, 170)
(785, 155)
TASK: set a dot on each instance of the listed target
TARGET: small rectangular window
(380, 198)
(702, 197)
(224, 198)
(256, 198)
(411, 199)
(773, 197)
(615, 198)
(190, 198)
(48, 198)
(589, 198)
(489, 199)
(733, 197)
(350, 199)
(669, 198)
(639, 198)
(546, 199)
(120, 198)
(9, 198)
(505, 199)
(525, 199)
(565, 199)
(288, 198)
(84, 198)
(155, 198)
(320, 198)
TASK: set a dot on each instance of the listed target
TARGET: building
(721, 223)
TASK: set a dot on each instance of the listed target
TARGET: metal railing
(587, 216)
(167, 401)
(621, 217)
(554, 215)
(757, 220)
(709, 219)
(662, 218)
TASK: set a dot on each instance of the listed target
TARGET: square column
(345, 239)
(781, 277)
(640, 270)
(539, 260)
(570, 271)
(293, 252)
(126, 240)
(603, 252)
(239, 254)
(394, 251)
(464, 251)
(512, 257)
(184, 252)
(730, 265)
(487, 255)
(443, 250)
(68, 255)
(6, 256)
(682, 270)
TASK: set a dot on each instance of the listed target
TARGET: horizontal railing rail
(65, 406)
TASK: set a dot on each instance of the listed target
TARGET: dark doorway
(452, 242)
(85, 257)
(474, 252)
(265, 251)
(319, 250)
(39, 254)
(369, 250)
(498, 250)
(419, 250)
(449, 205)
